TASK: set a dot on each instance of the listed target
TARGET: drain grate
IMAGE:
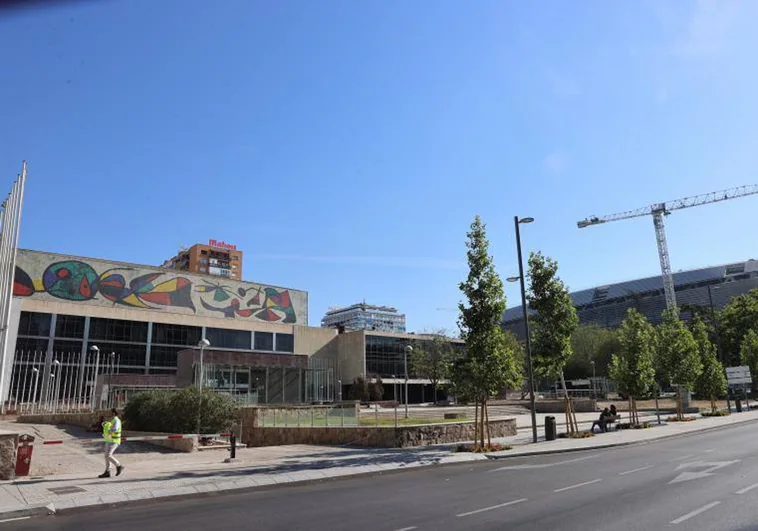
(66, 490)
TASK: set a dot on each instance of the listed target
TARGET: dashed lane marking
(514, 502)
(636, 470)
(578, 485)
(747, 489)
(695, 512)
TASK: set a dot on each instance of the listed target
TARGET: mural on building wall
(78, 281)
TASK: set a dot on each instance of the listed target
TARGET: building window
(285, 342)
(385, 356)
(117, 330)
(29, 344)
(62, 346)
(126, 354)
(162, 356)
(152, 370)
(220, 338)
(69, 326)
(264, 341)
(170, 334)
(204, 261)
(34, 324)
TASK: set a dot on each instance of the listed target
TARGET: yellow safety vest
(116, 435)
(107, 431)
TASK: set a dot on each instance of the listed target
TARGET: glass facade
(385, 356)
(140, 347)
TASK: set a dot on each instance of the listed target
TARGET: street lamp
(35, 370)
(394, 388)
(96, 354)
(592, 362)
(718, 341)
(339, 383)
(520, 278)
(112, 363)
(57, 387)
(408, 351)
(202, 344)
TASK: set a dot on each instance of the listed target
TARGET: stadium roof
(645, 285)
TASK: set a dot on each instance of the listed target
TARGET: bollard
(233, 449)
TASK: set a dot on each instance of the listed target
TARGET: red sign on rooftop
(222, 245)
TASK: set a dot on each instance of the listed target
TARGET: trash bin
(24, 455)
(551, 430)
(738, 405)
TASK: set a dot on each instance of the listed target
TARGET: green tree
(376, 389)
(738, 317)
(749, 353)
(489, 365)
(359, 390)
(677, 356)
(712, 381)
(633, 367)
(433, 359)
(554, 323)
(591, 343)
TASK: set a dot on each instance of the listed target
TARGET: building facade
(364, 316)
(607, 305)
(217, 258)
(86, 326)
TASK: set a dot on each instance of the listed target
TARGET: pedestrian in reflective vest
(111, 440)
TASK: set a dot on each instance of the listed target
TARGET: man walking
(112, 440)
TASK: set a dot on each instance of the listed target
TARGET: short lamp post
(408, 352)
(203, 343)
(517, 222)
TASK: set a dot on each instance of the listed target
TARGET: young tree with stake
(677, 356)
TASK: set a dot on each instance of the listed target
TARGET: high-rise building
(216, 258)
(364, 316)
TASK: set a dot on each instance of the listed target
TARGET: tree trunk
(487, 420)
(476, 422)
(481, 418)
(679, 405)
(434, 390)
(714, 408)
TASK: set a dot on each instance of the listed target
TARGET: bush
(177, 411)
(475, 448)
(720, 413)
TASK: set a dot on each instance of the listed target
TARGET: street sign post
(739, 377)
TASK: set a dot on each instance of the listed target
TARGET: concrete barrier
(373, 437)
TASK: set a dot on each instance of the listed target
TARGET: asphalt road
(703, 482)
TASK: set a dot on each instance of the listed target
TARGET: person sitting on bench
(601, 422)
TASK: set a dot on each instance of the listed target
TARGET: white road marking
(408, 528)
(14, 519)
(747, 489)
(635, 470)
(514, 502)
(683, 457)
(709, 450)
(545, 465)
(579, 485)
(695, 512)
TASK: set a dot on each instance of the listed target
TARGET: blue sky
(346, 146)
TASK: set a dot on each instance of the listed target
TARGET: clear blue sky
(346, 146)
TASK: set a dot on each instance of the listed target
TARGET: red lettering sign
(222, 245)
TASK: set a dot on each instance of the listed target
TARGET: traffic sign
(738, 375)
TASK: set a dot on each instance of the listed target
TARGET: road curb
(617, 444)
(29, 512)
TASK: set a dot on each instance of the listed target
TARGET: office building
(364, 316)
(217, 258)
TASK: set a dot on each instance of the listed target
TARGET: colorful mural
(75, 280)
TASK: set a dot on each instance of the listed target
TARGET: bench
(609, 420)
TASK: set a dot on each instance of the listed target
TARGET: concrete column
(149, 345)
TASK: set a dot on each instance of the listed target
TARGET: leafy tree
(591, 343)
(376, 389)
(433, 359)
(554, 323)
(489, 364)
(712, 381)
(735, 320)
(677, 356)
(359, 390)
(749, 353)
(633, 367)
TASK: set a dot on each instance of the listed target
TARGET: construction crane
(658, 210)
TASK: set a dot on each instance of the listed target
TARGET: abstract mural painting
(78, 281)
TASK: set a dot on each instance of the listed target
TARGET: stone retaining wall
(8, 447)
(374, 437)
(255, 415)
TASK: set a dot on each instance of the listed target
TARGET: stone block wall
(8, 447)
(373, 437)
(256, 415)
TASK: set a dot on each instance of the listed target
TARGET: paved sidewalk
(195, 474)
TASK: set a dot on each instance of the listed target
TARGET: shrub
(177, 411)
(475, 448)
(721, 413)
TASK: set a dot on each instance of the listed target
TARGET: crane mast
(658, 211)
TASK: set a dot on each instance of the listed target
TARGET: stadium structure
(607, 305)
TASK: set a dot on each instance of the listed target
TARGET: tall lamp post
(592, 362)
(718, 341)
(112, 363)
(408, 351)
(202, 344)
(517, 222)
